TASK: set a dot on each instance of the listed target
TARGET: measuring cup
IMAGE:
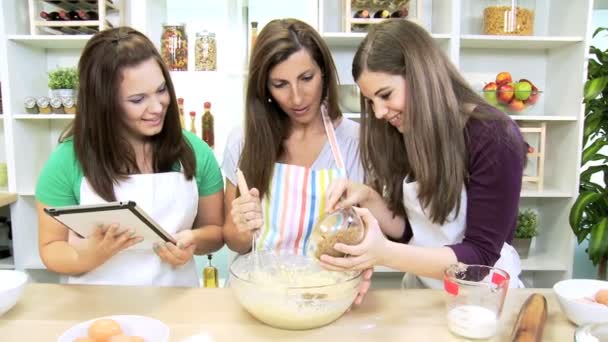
(476, 295)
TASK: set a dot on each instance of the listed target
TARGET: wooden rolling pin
(531, 320)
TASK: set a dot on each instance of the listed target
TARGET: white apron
(172, 201)
(429, 234)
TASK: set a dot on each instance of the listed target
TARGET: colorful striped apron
(296, 201)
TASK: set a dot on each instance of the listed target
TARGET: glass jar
(205, 52)
(69, 107)
(30, 105)
(44, 105)
(57, 106)
(174, 47)
(509, 17)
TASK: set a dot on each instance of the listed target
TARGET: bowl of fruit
(511, 97)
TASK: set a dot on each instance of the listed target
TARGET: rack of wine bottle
(71, 16)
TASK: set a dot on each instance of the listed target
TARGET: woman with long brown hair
(446, 186)
(295, 141)
(126, 144)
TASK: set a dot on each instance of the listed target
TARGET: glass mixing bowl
(292, 291)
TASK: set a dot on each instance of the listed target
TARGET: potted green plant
(63, 82)
(527, 228)
(589, 214)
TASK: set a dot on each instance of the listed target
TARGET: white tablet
(83, 219)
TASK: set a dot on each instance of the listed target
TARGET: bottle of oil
(207, 121)
(210, 275)
(180, 106)
(192, 125)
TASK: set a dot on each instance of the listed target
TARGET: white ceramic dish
(149, 329)
(11, 288)
(571, 296)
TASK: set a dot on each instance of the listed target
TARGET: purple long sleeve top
(495, 166)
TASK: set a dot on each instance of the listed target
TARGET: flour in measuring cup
(472, 321)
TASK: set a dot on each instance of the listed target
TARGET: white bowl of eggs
(583, 301)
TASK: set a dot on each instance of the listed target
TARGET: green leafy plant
(63, 78)
(527, 224)
(589, 214)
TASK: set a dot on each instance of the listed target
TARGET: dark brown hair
(432, 151)
(266, 125)
(105, 156)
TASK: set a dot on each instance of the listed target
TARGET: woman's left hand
(180, 253)
(370, 252)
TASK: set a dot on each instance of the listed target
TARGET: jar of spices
(174, 47)
(44, 105)
(69, 107)
(30, 105)
(205, 53)
(56, 106)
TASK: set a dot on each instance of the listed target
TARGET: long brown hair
(433, 149)
(105, 156)
(266, 125)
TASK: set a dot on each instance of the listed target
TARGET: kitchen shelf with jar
(72, 18)
(516, 42)
(44, 116)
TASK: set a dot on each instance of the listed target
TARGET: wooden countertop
(46, 310)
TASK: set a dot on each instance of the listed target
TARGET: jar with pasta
(174, 47)
(205, 51)
(509, 17)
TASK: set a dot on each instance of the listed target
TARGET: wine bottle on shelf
(402, 13)
(207, 123)
(50, 16)
(88, 15)
(71, 15)
(382, 14)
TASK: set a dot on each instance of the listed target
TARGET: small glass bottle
(69, 107)
(180, 106)
(210, 275)
(192, 125)
(44, 105)
(207, 122)
(30, 105)
(254, 34)
(57, 106)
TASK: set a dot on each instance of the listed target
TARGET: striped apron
(296, 201)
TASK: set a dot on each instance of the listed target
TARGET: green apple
(523, 89)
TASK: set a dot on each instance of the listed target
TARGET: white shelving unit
(554, 59)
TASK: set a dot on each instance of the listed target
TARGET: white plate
(150, 329)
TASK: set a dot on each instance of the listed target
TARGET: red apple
(503, 78)
(505, 93)
(489, 93)
(516, 105)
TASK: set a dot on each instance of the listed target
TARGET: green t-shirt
(60, 179)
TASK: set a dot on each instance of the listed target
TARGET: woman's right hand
(106, 241)
(247, 211)
(343, 193)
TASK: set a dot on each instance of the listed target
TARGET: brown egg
(602, 296)
(84, 339)
(102, 329)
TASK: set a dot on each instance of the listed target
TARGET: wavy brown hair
(266, 125)
(105, 156)
(432, 151)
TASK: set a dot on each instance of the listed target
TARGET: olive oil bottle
(210, 275)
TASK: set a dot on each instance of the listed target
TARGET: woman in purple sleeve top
(443, 168)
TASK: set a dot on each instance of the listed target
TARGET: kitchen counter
(46, 310)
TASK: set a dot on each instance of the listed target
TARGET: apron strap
(331, 136)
